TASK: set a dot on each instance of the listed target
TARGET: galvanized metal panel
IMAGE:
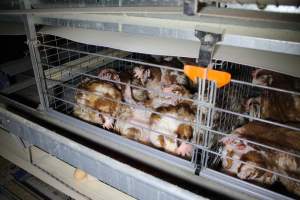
(278, 62)
(104, 168)
(129, 42)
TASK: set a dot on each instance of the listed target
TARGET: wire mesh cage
(258, 128)
(141, 97)
(248, 129)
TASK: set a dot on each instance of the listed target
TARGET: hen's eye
(184, 137)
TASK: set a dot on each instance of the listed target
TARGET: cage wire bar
(204, 117)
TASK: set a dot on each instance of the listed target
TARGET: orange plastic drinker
(194, 72)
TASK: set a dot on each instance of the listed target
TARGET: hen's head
(185, 131)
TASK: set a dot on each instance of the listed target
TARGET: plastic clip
(194, 72)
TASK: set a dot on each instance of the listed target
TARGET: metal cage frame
(49, 76)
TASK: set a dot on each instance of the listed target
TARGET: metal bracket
(190, 7)
(32, 42)
(208, 41)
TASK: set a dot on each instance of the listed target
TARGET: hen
(279, 106)
(175, 122)
(276, 106)
(101, 96)
(133, 123)
(124, 78)
(161, 88)
(276, 80)
(235, 147)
